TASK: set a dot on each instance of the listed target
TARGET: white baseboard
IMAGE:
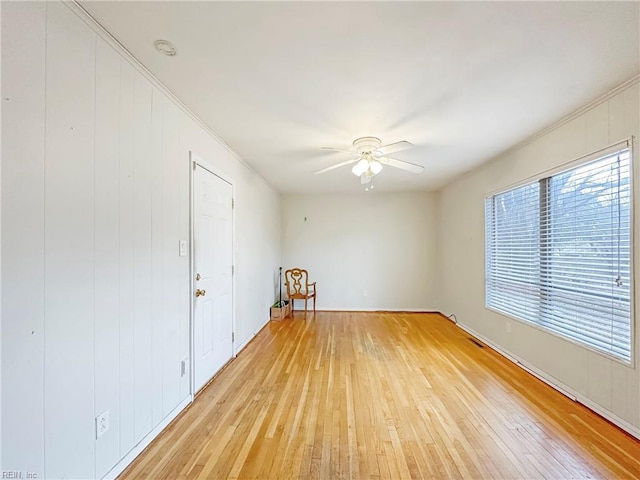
(359, 309)
(144, 443)
(556, 384)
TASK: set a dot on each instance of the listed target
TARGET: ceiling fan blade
(394, 147)
(351, 152)
(338, 165)
(410, 167)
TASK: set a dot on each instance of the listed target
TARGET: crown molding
(102, 32)
(573, 115)
(550, 128)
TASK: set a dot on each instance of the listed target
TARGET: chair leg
(305, 304)
(314, 304)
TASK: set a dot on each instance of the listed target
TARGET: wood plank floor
(382, 395)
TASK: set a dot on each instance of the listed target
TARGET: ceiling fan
(369, 157)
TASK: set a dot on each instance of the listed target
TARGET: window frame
(564, 167)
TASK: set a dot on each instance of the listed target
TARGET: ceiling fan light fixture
(367, 180)
(375, 166)
(360, 167)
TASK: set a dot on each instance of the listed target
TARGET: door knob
(200, 293)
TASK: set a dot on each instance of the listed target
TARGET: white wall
(0, 258)
(384, 243)
(607, 385)
(95, 198)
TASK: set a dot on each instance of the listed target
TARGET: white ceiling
(461, 81)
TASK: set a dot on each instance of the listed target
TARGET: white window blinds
(558, 253)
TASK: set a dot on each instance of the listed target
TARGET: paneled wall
(95, 199)
(609, 386)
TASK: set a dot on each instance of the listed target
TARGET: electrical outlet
(508, 327)
(102, 423)
(182, 248)
(183, 366)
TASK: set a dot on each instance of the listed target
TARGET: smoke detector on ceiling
(165, 47)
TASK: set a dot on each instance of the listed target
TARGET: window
(558, 253)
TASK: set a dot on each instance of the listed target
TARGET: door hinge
(233, 203)
(233, 336)
(233, 269)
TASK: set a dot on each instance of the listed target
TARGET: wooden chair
(299, 288)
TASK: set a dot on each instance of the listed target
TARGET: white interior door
(213, 283)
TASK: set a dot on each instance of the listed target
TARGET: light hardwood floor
(382, 395)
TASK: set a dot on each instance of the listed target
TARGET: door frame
(194, 162)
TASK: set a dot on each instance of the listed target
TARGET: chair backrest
(297, 281)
